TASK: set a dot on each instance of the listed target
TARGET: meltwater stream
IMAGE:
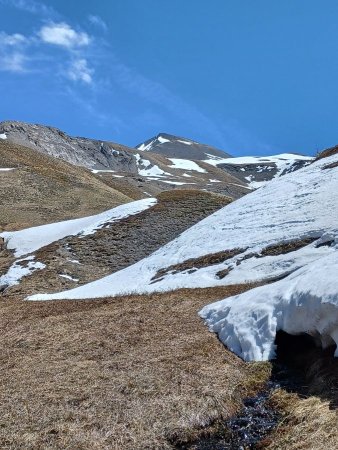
(257, 419)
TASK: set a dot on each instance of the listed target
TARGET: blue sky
(250, 77)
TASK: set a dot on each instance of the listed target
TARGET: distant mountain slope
(37, 189)
(177, 147)
(256, 170)
(79, 151)
(162, 163)
(124, 169)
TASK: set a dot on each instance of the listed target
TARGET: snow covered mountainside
(284, 234)
(257, 170)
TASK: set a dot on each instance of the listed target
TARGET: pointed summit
(179, 147)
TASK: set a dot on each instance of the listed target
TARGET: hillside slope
(39, 189)
(66, 254)
(125, 169)
(280, 234)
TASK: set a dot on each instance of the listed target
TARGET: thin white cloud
(12, 56)
(63, 35)
(13, 62)
(80, 71)
(31, 6)
(98, 22)
(12, 39)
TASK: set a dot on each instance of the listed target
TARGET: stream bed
(256, 420)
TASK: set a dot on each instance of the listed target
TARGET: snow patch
(68, 277)
(147, 169)
(19, 269)
(304, 302)
(186, 164)
(247, 160)
(177, 183)
(184, 142)
(3, 136)
(102, 171)
(162, 140)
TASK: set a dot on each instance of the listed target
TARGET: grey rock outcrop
(89, 153)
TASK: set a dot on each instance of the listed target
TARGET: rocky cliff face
(79, 151)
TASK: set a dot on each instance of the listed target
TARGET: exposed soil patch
(287, 247)
(198, 263)
(328, 152)
(331, 166)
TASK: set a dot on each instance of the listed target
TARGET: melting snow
(186, 164)
(31, 239)
(145, 148)
(177, 183)
(20, 269)
(68, 277)
(6, 169)
(162, 140)
(279, 160)
(102, 171)
(292, 207)
(304, 302)
(147, 169)
(184, 142)
(3, 136)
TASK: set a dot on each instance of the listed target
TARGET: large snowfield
(302, 204)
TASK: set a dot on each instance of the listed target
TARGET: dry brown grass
(125, 373)
(308, 424)
(287, 247)
(198, 263)
(43, 189)
(328, 152)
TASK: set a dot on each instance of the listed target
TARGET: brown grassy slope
(123, 373)
(121, 244)
(328, 152)
(42, 189)
(307, 424)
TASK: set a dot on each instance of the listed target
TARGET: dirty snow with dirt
(302, 204)
(29, 240)
(19, 269)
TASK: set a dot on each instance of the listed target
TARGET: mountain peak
(180, 147)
